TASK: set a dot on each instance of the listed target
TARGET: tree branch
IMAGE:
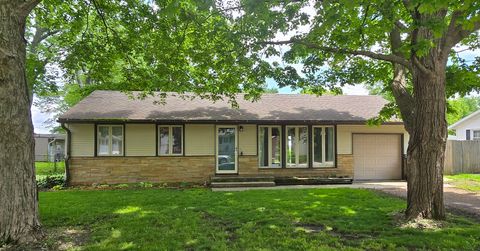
(419, 65)
(390, 58)
(402, 96)
(456, 33)
(401, 25)
(26, 7)
(40, 35)
(102, 17)
(406, 4)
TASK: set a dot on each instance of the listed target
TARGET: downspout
(49, 149)
(67, 154)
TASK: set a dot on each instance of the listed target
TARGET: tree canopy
(182, 46)
(221, 48)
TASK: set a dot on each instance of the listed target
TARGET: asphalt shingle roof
(115, 105)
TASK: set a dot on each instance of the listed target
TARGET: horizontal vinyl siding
(140, 139)
(344, 135)
(247, 140)
(83, 139)
(199, 139)
(41, 146)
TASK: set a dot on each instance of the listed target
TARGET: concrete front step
(242, 179)
(224, 184)
(311, 181)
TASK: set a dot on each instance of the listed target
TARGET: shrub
(145, 184)
(185, 184)
(104, 186)
(122, 186)
(57, 187)
(50, 181)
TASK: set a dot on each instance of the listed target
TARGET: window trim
(269, 150)
(97, 148)
(170, 140)
(323, 164)
(473, 134)
(297, 146)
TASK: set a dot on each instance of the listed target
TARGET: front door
(226, 149)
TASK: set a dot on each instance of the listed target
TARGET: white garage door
(377, 156)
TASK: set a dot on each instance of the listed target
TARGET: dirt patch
(69, 238)
(63, 238)
(400, 221)
(347, 237)
(310, 228)
(228, 227)
(318, 227)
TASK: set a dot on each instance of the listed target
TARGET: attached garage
(377, 156)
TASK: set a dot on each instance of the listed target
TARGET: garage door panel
(386, 161)
(377, 156)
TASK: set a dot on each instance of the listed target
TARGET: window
(269, 146)
(323, 146)
(297, 146)
(476, 134)
(110, 140)
(170, 140)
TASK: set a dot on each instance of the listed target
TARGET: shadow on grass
(161, 219)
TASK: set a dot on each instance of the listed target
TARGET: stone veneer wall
(115, 170)
(248, 165)
(198, 169)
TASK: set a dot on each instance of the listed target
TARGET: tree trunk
(19, 218)
(426, 150)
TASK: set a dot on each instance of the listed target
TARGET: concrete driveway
(459, 200)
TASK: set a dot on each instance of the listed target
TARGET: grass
(465, 181)
(46, 168)
(198, 219)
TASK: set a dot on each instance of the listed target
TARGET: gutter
(67, 155)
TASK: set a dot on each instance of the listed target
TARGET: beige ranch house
(115, 139)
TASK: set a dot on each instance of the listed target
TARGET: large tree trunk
(19, 218)
(426, 150)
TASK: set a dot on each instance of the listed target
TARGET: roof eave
(233, 121)
(461, 121)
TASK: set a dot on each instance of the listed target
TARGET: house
(467, 128)
(49, 147)
(115, 139)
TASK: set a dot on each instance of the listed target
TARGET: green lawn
(198, 219)
(465, 181)
(45, 168)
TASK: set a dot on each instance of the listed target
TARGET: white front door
(227, 149)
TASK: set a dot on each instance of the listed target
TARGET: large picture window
(170, 140)
(270, 146)
(297, 146)
(110, 140)
(323, 146)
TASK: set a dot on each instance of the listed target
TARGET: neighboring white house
(49, 147)
(467, 128)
